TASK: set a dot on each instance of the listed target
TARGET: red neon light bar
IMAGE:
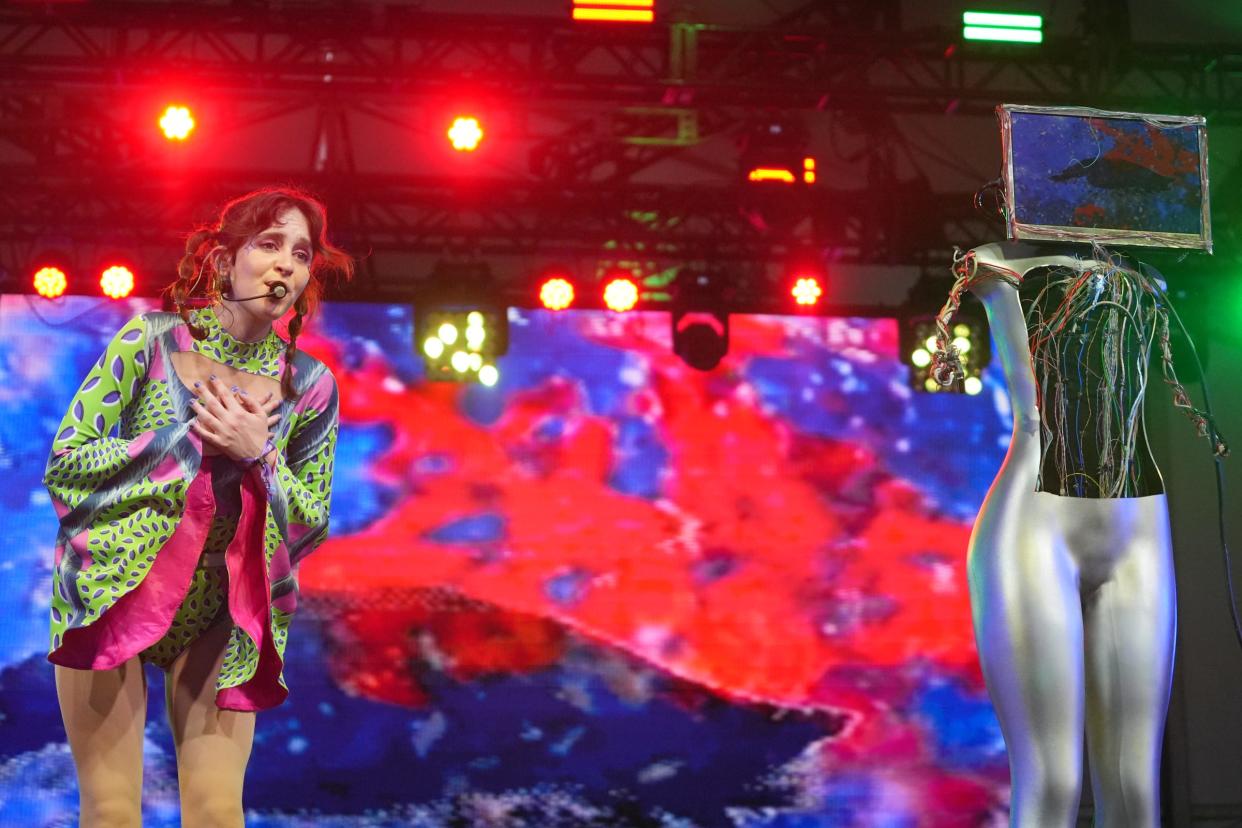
(616, 11)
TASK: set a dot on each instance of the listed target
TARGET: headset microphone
(277, 292)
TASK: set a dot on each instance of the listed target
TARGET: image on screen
(1086, 175)
(611, 590)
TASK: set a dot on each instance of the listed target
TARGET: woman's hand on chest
(233, 421)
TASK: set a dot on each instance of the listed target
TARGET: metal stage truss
(595, 115)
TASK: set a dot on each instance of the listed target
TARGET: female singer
(190, 475)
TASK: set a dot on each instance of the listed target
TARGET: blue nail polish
(198, 384)
(213, 376)
(234, 389)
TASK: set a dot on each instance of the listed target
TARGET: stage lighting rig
(459, 329)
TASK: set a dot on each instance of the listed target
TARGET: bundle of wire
(1100, 321)
(1091, 334)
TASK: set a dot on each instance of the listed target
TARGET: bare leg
(104, 713)
(1028, 627)
(1130, 627)
(213, 745)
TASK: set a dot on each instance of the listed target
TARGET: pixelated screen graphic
(1115, 174)
(609, 591)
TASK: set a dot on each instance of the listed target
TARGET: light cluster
(461, 345)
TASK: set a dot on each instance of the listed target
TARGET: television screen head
(1086, 175)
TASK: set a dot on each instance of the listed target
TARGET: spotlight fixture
(458, 330)
(700, 318)
(778, 174)
(116, 281)
(806, 289)
(968, 334)
(50, 282)
(465, 133)
(621, 293)
(701, 338)
(177, 122)
(557, 291)
(774, 150)
(461, 344)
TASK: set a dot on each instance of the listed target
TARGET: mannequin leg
(1130, 627)
(1028, 627)
(105, 713)
(213, 745)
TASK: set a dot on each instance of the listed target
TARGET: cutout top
(192, 367)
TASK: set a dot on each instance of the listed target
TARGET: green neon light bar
(1001, 20)
(999, 26)
(1007, 35)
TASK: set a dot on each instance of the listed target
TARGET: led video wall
(609, 591)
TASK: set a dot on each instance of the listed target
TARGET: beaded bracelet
(268, 447)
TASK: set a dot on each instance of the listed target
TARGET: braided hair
(199, 277)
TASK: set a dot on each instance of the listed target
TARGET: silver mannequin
(1073, 600)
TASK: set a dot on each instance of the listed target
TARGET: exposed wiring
(1217, 456)
(1125, 314)
(995, 187)
(1092, 330)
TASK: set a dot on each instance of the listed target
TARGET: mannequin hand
(230, 422)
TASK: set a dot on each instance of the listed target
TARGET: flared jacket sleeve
(85, 457)
(303, 473)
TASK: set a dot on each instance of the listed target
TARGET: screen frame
(1018, 230)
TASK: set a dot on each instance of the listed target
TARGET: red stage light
(621, 294)
(117, 282)
(465, 133)
(557, 293)
(808, 170)
(806, 290)
(50, 282)
(177, 122)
